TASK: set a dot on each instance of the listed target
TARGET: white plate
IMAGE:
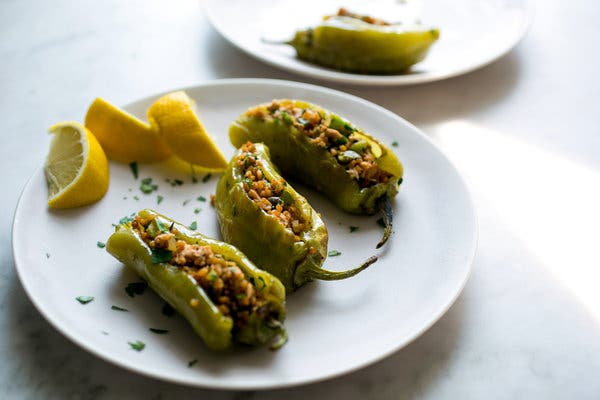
(473, 32)
(420, 273)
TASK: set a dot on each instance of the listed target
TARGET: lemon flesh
(180, 128)
(123, 137)
(76, 168)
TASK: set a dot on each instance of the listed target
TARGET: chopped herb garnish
(395, 144)
(161, 255)
(125, 220)
(136, 198)
(117, 308)
(194, 179)
(286, 198)
(380, 222)
(134, 169)
(175, 182)
(333, 253)
(240, 296)
(206, 178)
(47, 255)
(400, 181)
(137, 345)
(159, 199)
(353, 228)
(212, 276)
(168, 310)
(201, 198)
(197, 210)
(158, 331)
(147, 186)
(193, 226)
(124, 197)
(134, 288)
(104, 332)
(161, 227)
(185, 202)
(84, 299)
(101, 244)
(192, 363)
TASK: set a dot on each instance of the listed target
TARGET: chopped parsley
(161, 255)
(117, 308)
(395, 144)
(194, 179)
(192, 363)
(84, 299)
(158, 331)
(193, 226)
(201, 198)
(197, 210)
(161, 227)
(101, 244)
(333, 253)
(134, 288)
(380, 222)
(353, 228)
(159, 199)
(212, 276)
(147, 186)
(206, 178)
(185, 202)
(137, 345)
(134, 169)
(168, 310)
(174, 182)
(125, 220)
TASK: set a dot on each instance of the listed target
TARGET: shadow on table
(422, 104)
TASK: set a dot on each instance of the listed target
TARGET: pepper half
(327, 152)
(261, 214)
(213, 285)
(361, 44)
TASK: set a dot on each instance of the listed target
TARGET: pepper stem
(388, 216)
(326, 275)
(269, 41)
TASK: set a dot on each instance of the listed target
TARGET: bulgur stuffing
(342, 12)
(222, 280)
(332, 133)
(268, 195)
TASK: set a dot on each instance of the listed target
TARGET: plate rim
(330, 75)
(215, 383)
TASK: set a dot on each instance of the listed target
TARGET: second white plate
(473, 32)
(334, 327)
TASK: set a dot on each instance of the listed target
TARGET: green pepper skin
(297, 157)
(261, 236)
(349, 44)
(181, 291)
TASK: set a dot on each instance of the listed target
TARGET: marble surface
(523, 131)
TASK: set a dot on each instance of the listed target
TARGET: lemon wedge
(76, 168)
(123, 137)
(180, 128)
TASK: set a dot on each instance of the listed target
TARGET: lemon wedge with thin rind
(124, 137)
(76, 168)
(180, 128)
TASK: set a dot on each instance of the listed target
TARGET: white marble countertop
(524, 131)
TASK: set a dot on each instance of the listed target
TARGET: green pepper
(292, 251)
(311, 153)
(177, 285)
(354, 43)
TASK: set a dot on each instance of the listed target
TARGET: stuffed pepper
(213, 285)
(327, 152)
(262, 214)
